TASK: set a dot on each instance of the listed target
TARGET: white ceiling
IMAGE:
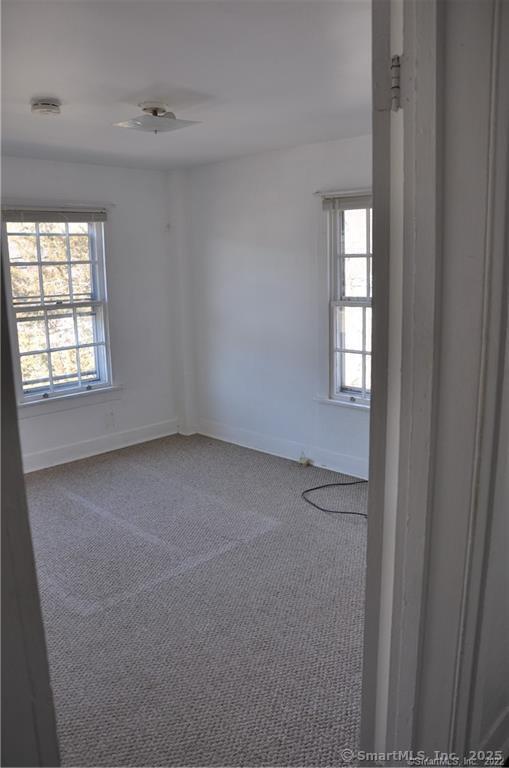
(259, 74)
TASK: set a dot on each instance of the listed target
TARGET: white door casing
(440, 316)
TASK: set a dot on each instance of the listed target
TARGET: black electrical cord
(333, 485)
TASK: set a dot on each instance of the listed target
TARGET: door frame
(29, 735)
(427, 541)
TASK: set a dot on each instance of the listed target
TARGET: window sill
(68, 401)
(342, 403)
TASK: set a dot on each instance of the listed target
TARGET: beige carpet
(197, 610)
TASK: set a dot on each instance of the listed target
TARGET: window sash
(40, 264)
(54, 384)
(53, 379)
(338, 351)
(52, 305)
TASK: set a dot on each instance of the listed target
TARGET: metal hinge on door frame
(395, 83)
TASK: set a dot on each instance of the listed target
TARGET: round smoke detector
(47, 106)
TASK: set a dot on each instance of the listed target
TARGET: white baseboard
(287, 449)
(187, 431)
(62, 454)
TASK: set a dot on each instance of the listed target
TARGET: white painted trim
(420, 346)
(424, 693)
(45, 205)
(464, 459)
(388, 291)
(275, 446)
(378, 619)
(68, 402)
(187, 431)
(287, 449)
(322, 315)
(362, 406)
(365, 192)
(29, 734)
(111, 442)
(488, 463)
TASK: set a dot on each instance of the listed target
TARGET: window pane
(20, 226)
(368, 373)
(355, 231)
(370, 277)
(32, 386)
(352, 371)
(81, 281)
(56, 227)
(53, 248)
(88, 363)
(56, 282)
(371, 230)
(31, 333)
(355, 277)
(61, 330)
(79, 245)
(22, 248)
(78, 227)
(35, 367)
(25, 284)
(350, 328)
(101, 362)
(368, 329)
(64, 364)
(86, 322)
(68, 380)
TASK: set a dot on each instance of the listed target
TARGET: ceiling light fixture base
(155, 108)
(155, 119)
(46, 106)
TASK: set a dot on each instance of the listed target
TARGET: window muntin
(57, 288)
(350, 249)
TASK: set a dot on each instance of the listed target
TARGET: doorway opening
(191, 324)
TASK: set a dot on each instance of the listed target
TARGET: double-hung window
(349, 225)
(56, 291)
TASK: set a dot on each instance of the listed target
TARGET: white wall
(140, 281)
(258, 297)
(218, 305)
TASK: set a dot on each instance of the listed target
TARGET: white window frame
(99, 301)
(334, 205)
